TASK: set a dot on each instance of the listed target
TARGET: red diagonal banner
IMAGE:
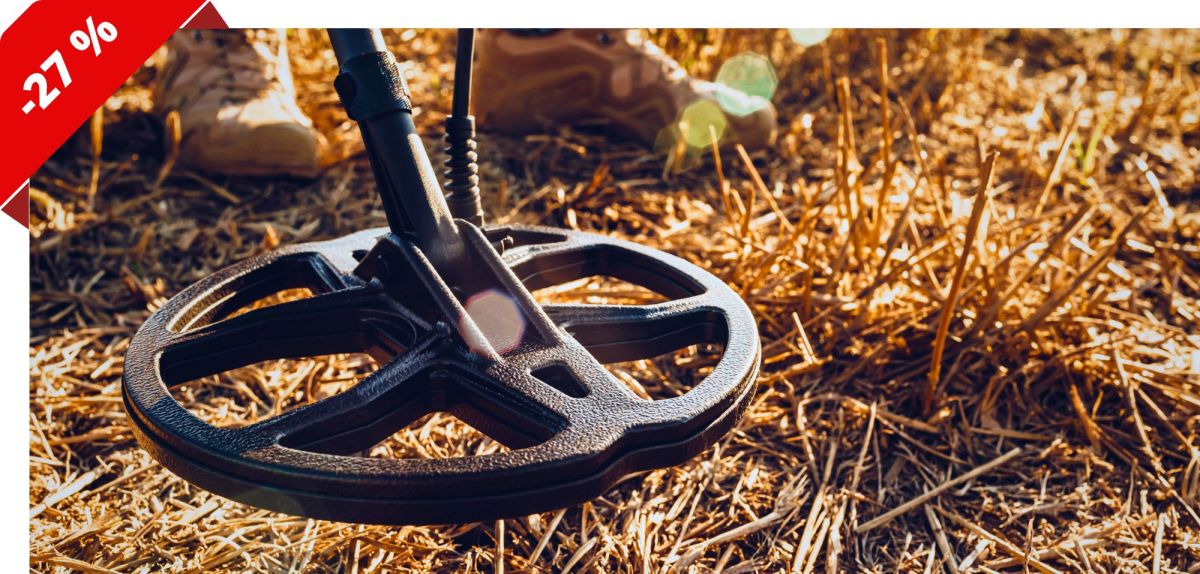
(58, 62)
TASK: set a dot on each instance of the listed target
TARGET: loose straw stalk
(960, 271)
(935, 491)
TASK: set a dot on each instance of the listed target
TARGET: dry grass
(1058, 306)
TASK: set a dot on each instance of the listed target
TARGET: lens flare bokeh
(753, 80)
(498, 317)
(701, 123)
(809, 37)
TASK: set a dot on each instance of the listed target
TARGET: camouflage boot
(525, 80)
(236, 103)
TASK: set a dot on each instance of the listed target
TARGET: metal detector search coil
(404, 296)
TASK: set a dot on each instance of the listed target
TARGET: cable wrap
(462, 169)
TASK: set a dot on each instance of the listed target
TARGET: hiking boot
(237, 106)
(526, 79)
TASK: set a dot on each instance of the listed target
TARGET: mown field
(973, 257)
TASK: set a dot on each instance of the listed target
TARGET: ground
(976, 275)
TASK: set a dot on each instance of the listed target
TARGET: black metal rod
(464, 57)
(350, 42)
(374, 93)
(462, 167)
